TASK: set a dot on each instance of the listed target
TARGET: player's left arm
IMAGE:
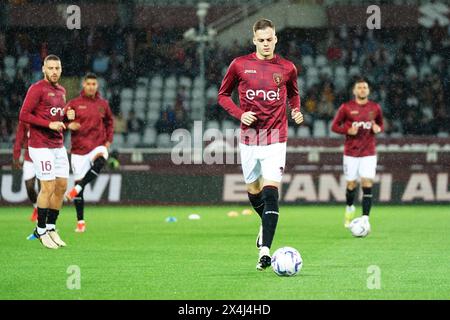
(377, 123)
(293, 96)
(108, 122)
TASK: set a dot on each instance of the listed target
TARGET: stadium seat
(9, 62)
(327, 71)
(22, 62)
(171, 82)
(141, 93)
(150, 136)
(340, 72)
(126, 94)
(156, 82)
(154, 105)
(321, 61)
(340, 83)
(140, 105)
(212, 124)
(291, 132)
(320, 129)
(424, 71)
(133, 139)
(11, 72)
(307, 61)
(169, 94)
(152, 117)
(155, 94)
(118, 140)
(163, 140)
(354, 71)
(143, 81)
(212, 92)
(185, 81)
(198, 83)
(411, 72)
(303, 132)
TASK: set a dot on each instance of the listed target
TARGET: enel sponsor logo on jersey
(54, 111)
(270, 95)
(361, 124)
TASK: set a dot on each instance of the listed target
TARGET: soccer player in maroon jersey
(43, 109)
(265, 82)
(91, 138)
(28, 173)
(359, 120)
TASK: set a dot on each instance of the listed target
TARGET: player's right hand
(353, 131)
(248, 118)
(74, 126)
(57, 126)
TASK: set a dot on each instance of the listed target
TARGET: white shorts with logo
(267, 161)
(28, 171)
(81, 164)
(360, 167)
(50, 164)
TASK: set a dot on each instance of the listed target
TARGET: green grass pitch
(132, 253)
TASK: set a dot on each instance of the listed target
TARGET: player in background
(28, 173)
(265, 82)
(359, 120)
(43, 109)
(91, 137)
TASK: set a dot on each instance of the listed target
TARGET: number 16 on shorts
(50, 163)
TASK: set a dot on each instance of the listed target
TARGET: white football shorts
(267, 161)
(50, 164)
(360, 167)
(81, 164)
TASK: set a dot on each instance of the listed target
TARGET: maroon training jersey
(96, 120)
(361, 116)
(21, 141)
(44, 103)
(264, 86)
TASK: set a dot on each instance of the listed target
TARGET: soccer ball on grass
(287, 262)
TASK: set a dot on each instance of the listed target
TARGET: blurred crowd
(408, 70)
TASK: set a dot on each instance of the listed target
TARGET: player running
(43, 109)
(91, 137)
(360, 120)
(28, 173)
(265, 82)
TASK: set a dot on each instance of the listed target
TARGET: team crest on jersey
(278, 78)
(101, 110)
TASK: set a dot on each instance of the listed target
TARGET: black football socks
(350, 196)
(42, 220)
(270, 214)
(257, 202)
(79, 206)
(52, 216)
(367, 201)
(93, 173)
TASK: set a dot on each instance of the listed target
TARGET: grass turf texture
(132, 253)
